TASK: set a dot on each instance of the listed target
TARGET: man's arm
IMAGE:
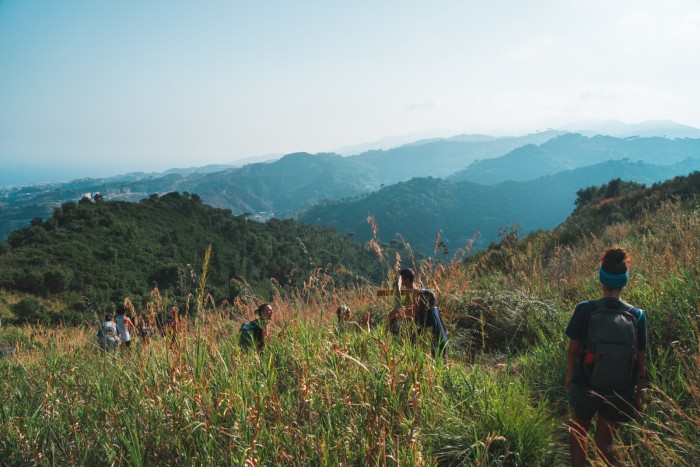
(571, 358)
(642, 362)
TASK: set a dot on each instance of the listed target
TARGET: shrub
(500, 321)
(30, 281)
(30, 310)
(56, 280)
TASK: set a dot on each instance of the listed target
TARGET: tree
(56, 280)
(29, 280)
(30, 310)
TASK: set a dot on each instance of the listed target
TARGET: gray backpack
(108, 336)
(611, 347)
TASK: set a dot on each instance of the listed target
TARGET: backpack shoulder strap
(640, 314)
(589, 335)
(637, 313)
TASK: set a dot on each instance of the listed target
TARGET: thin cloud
(422, 106)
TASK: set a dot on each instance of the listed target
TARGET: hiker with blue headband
(606, 361)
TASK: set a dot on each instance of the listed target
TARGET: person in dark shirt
(167, 323)
(405, 311)
(611, 406)
(256, 331)
(428, 318)
(418, 308)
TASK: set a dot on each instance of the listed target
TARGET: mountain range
(463, 210)
(661, 128)
(511, 180)
(574, 150)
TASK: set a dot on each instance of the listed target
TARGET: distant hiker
(428, 317)
(343, 314)
(405, 311)
(167, 323)
(606, 361)
(6, 350)
(124, 326)
(107, 335)
(145, 329)
(143, 323)
(254, 333)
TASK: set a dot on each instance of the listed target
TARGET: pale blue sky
(105, 87)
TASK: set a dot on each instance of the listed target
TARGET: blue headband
(613, 280)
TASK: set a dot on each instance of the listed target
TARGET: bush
(30, 281)
(56, 280)
(500, 321)
(30, 310)
(14, 338)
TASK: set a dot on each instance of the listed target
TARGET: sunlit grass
(321, 396)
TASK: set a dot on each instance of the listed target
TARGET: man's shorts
(617, 407)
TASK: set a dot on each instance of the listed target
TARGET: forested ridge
(104, 251)
(464, 210)
(597, 208)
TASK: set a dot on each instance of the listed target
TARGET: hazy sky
(108, 87)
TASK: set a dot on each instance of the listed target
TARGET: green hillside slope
(108, 250)
(417, 209)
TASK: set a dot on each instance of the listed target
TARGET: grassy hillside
(103, 251)
(318, 395)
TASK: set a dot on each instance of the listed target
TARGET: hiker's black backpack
(610, 358)
(246, 338)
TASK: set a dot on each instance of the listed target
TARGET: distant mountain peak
(620, 129)
(395, 141)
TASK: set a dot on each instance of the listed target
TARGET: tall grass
(314, 396)
(318, 395)
(665, 249)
